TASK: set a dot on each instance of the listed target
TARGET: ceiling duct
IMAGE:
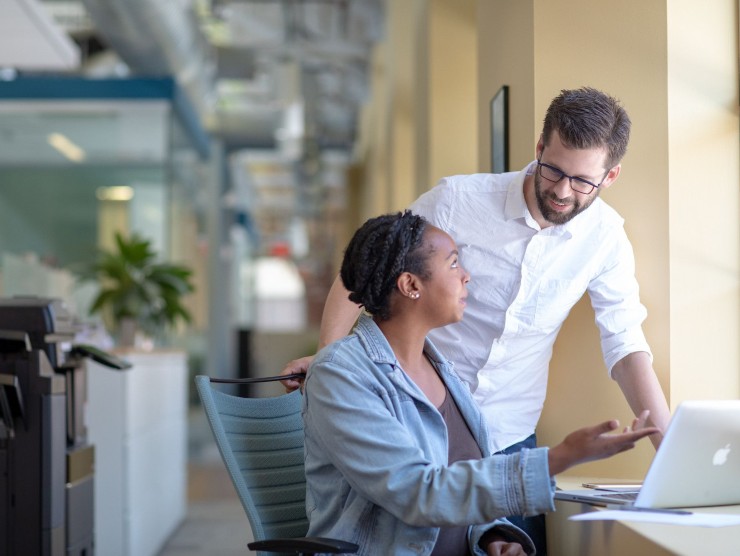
(158, 38)
(231, 59)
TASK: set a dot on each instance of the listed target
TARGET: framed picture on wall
(500, 131)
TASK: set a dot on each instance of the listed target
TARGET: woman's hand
(505, 548)
(593, 443)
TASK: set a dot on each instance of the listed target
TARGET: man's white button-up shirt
(524, 281)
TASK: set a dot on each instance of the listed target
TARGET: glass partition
(81, 160)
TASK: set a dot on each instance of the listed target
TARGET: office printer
(46, 463)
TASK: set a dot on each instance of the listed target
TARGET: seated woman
(397, 456)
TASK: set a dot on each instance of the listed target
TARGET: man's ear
(539, 148)
(611, 176)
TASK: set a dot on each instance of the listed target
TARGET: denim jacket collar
(380, 352)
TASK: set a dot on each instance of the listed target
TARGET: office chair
(261, 444)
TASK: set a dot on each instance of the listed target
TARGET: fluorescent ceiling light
(115, 193)
(66, 147)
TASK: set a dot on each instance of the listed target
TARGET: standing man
(534, 241)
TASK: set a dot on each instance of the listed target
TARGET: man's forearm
(639, 383)
(339, 314)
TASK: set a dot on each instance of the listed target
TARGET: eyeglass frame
(570, 178)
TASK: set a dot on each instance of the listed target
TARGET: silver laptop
(697, 464)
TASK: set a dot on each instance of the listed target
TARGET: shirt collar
(376, 345)
(516, 207)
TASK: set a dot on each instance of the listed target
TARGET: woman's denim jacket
(376, 456)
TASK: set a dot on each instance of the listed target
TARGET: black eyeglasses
(550, 173)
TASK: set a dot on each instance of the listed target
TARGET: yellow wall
(453, 93)
(704, 200)
(505, 56)
(388, 143)
(422, 120)
(373, 199)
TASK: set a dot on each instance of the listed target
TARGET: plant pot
(127, 329)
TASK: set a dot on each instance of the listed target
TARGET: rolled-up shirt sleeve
(615, 298)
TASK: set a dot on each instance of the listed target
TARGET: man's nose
(562, 188)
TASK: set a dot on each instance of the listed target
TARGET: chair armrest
(305, 545)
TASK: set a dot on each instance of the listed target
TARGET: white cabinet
(137, 421)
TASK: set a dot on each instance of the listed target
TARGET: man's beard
(553, 216)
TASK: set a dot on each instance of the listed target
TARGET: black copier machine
(46, 464)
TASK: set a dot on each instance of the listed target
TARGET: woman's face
(444, 292)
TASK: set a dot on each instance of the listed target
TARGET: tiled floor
(215, 524)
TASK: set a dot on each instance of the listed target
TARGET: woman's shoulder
(346, 346)
(344, 368)
(348, 353)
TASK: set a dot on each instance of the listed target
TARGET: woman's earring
(414, 295)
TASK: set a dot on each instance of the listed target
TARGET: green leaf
(135, 285)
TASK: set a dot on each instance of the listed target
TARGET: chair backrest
(261, 443)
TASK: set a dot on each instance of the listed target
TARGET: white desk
(137, 421)
(617, 538)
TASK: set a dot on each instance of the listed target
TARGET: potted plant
(137, 293)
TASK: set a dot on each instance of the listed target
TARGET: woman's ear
(408, 285)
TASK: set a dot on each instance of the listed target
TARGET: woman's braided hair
(382, 249)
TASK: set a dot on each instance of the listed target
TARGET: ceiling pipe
(160, 38)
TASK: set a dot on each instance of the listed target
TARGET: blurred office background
(247, 139)
(221, 131)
